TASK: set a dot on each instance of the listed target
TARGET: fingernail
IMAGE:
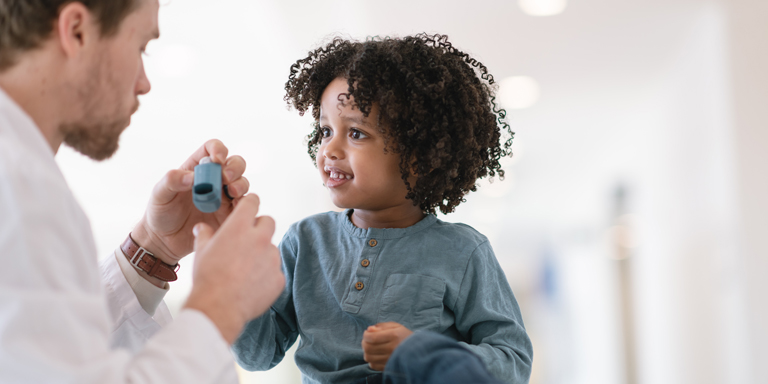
(188, 179)
(195, 230)
(229, 175)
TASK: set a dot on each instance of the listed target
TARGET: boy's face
(351, 157)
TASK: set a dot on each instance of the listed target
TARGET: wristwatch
(147, 262)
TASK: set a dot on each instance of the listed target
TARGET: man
(71, 72)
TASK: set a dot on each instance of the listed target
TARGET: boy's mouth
(336, 176)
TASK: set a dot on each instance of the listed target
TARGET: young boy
(403, 127)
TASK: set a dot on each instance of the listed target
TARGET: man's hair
(437, 104)
(25, 24)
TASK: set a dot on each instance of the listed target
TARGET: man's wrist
(226, 321)
(146, 260)
(153, 280)
(127, 264)
(152, 244)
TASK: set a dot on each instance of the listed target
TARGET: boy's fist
(380, 340)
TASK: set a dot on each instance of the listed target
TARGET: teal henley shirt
(434, 276)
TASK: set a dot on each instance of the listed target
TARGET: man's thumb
(203, 233)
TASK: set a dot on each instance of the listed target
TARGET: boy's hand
(380, 340)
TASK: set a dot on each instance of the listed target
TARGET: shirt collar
(22, 126)
(384, 233)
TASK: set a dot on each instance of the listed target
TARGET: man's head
(89, 53)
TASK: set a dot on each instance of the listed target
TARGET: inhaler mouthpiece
(206, 190)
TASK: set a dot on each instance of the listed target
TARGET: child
(402, 127)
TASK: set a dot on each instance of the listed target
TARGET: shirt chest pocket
(414, 301)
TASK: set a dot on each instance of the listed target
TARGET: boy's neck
(395, 217)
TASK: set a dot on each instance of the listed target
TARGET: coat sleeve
(263, 343)
(54, 322)
(488, 316)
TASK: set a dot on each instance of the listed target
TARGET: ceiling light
(543, 7)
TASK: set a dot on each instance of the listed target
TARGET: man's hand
(166, 228)
(380, 340)
(237, 272)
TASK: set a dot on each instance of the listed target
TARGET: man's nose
(142, 83)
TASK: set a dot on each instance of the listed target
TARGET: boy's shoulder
(453, 233)
(317, 222)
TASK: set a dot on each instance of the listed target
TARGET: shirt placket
(359, 285)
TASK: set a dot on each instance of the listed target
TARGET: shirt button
(365, 263)
(372, 242)
(359, 285)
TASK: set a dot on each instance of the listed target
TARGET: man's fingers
(203, 233)
(214, 149)
(238, 188)
(233, 169)
(245, 211)
(171, 184)
(265, 226)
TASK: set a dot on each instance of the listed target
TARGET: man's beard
(98, 141)
(97, 133)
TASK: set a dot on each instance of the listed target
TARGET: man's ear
(75, 28)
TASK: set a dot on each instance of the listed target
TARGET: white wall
(748, 60)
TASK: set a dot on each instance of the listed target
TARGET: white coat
(58, 324)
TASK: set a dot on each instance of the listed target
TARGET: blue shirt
(435, 276)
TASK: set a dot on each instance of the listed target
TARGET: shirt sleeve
(148, 294)
(263, 343)
(132, 326)
(488, 316)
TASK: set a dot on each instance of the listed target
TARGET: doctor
(71, 72)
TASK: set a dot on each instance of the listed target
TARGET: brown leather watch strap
(147, 262)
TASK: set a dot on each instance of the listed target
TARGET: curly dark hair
(437, 104)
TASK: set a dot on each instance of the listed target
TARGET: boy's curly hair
(437, 104)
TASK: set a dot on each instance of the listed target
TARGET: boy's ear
(74, 28)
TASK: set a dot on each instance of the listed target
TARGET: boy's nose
(332, 150)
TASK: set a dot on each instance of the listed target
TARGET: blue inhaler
(206, 190)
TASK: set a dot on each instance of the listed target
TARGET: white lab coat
(133, 323)
(55, 322)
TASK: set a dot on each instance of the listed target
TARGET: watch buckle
(140, 253)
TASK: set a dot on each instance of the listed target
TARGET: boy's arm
(487, 315)
(264, 341)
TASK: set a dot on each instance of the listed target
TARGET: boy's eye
(325, 132)
(355, 134)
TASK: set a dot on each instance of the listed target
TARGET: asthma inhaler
(206, 191)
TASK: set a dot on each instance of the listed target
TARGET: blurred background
(632, 222)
